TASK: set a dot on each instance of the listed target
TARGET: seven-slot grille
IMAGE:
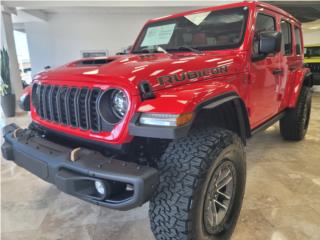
(71, 106)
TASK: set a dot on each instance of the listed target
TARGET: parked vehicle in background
(312, 61)
(168, 122)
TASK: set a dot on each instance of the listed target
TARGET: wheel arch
(302, 78)
(227, 111)
(308, 79)
(213, 102)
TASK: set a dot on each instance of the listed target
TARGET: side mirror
(269, 42)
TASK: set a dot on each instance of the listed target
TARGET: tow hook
(15, 132)
(74, 155)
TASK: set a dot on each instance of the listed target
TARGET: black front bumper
(127, 184)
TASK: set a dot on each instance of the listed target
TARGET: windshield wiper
(156, 49)
(190, 49)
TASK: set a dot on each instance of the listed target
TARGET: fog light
(100, 187)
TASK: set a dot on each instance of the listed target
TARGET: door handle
(277, 71)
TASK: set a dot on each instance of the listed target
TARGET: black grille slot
(94, 120)
(47, 114)
(83, 108)
(62, 101)
(41, 102)
(71, 106)
(54, 104)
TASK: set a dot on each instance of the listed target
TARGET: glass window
(220, 29)
(297, 34)
(263, 23)
(286, 46)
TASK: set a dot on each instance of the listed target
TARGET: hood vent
(92, 62)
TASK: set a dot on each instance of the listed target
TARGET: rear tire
(192, 172)
(294, 125)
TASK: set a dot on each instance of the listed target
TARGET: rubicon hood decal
(171, 79)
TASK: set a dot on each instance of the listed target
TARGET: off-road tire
(294, 125)
(186, 169)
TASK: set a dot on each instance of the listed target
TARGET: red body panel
(264, 94)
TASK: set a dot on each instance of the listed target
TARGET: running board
(268, 123)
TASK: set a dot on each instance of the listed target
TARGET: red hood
(161, 70)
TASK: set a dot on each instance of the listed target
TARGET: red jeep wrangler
(168, 122)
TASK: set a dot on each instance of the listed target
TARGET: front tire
(294, 125)
(202, 182)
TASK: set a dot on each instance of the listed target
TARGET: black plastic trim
(217, 100)
(136, 129)
(52, 162)
(309, 79)
(75, 140)
(268, 123)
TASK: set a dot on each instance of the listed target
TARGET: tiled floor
(282, 200)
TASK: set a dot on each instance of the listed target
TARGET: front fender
(184, 99)
(187, 98)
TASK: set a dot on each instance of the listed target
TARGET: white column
(7, 40)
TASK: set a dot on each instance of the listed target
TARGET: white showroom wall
(65, 33)
(62, 38)
(40, 45)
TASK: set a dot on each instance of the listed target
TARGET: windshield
(312, 52)
(201, 31)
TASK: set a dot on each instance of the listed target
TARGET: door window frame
(268, 14)
(295, 27)
(291, 37)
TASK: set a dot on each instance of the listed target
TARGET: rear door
(288, 60)
(264, 75)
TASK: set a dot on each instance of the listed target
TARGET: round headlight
(113, 105)
(119, 103)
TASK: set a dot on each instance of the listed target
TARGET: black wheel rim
(219, 197)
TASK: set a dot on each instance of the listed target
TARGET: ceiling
(305, 11)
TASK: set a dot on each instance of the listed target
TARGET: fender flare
(308, 79)
(241, 110)
(136, 129)
(303, 78)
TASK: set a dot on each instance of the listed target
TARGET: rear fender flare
(302, 78)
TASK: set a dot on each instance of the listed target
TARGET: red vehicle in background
(168, 122)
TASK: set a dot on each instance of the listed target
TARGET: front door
(265, 76)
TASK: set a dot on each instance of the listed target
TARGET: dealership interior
(282, 192)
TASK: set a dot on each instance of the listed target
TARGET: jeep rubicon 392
(167, 123)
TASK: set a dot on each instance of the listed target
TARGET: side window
(286, 43)
(263, 23)
(297, 34)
